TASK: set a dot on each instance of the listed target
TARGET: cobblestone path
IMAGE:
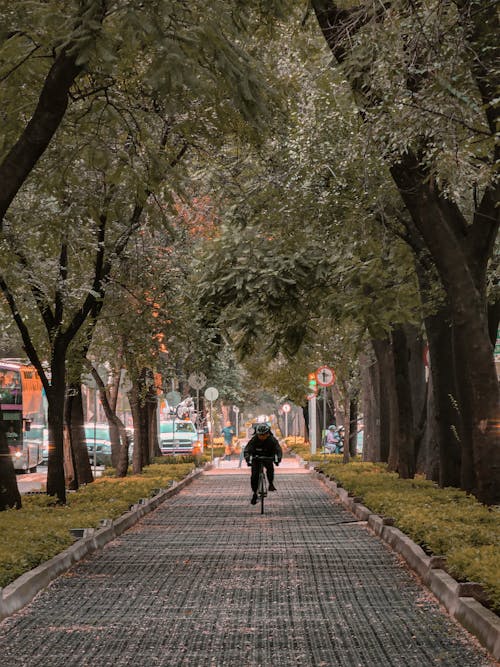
(206, 581)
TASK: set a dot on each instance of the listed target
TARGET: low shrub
(445, 522)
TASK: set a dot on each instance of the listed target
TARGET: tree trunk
(353, 428)
(347, 423)
(75, 422)
(134, 409)
(9, 492)
(448, 416)
(114, 427)
(371, 407)
(55, 417)
(154, 445)
(428, 461)
(404, 454)
(388, 400)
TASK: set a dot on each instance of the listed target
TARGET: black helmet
(262, 429)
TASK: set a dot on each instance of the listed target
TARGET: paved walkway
(206, 581)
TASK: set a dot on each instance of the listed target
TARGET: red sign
(325, 376)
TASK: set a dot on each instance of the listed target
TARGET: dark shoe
(272, 487)
(254, 499)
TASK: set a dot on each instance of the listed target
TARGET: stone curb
(22, 590)
(462, 601)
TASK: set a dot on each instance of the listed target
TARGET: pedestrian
(242, 454)
(263, 443)
(228, 433)
(331, 438)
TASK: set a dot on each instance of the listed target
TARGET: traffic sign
(236, 409)
(211, 393)
(173, 398)
(197, 380)
(325, 376)
(286, 407)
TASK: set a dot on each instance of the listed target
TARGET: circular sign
(173, 398)
(197, 380)
(236, 409)
(125, 381)
(211, 393)
(286, 407)
(325, 376)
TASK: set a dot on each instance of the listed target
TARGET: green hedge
(40, 530)
(445, 522)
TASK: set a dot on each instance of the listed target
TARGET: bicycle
(262, 484)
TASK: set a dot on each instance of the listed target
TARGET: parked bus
(23, 413)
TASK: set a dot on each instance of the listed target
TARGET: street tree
(424, 79)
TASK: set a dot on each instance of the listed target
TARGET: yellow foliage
(446, 522)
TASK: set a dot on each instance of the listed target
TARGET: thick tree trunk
(139, 409)
(388, 401)
(9, 493)
(428, 462)
(448, 416)
(353, 426)
(75, 422)
(154, 445)
(403, 458)
(56, 485)
(370, 394)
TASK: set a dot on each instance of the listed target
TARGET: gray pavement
(205, 580)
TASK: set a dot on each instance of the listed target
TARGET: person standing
(228, 433)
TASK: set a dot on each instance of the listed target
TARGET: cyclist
(263, 443)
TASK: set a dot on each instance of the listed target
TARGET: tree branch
(23, 329)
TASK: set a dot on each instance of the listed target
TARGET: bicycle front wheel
(262, 489)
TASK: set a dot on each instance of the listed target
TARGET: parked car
(102, 444)
(178, 436)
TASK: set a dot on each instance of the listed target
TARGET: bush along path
(449, 539)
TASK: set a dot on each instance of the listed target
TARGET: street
(36, 481)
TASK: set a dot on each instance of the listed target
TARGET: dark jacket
(268, 447)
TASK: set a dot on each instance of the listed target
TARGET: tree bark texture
(404, 459)
(370, 395)
(75, 423)
(388, 401)
(10, 497)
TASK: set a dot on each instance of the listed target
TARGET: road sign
(286, 407)
(173, 398)
(236, 409)
(211, 393)
(325, 376)
(197, 380)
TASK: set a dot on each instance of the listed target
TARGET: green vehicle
(178, 436)
(100, 445)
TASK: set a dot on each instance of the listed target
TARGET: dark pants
(254, 480)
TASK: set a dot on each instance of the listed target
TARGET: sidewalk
(205, 580)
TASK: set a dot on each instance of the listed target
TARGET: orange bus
(23, 413)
